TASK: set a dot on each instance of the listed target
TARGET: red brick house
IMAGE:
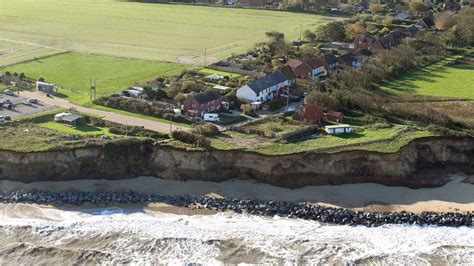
(300, 68)
(310, 113)
(204, 102)
(334, 116)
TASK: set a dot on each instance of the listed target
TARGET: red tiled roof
(316, 62)
(313, 113)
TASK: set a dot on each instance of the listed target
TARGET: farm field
(73, 71)
(438, 79)
(176, 33)
(13, 52)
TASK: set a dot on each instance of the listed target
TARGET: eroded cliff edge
(423, 163)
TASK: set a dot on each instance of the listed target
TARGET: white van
(211, 117)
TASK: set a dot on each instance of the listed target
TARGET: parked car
(211, 117)
(27, 102)
(8, 92)
(4, 118)
(33, 101)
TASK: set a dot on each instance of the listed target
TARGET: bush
(191, 138)
(205, 130)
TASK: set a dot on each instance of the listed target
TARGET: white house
(263, 89)
(338, 129)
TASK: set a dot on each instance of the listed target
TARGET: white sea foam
(227, 237)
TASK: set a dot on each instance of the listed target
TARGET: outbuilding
(338, 129)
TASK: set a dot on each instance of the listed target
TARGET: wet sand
(456, 196)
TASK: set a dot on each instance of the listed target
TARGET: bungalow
(310, 113)
(45, 87)
(338, 129)
(362, 55)
(264, 89)
(204, 102)
(300, 68)
(318, 67)
(331, 62)
(214, 78)
(334, 116)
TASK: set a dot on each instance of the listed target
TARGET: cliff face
(422, 163)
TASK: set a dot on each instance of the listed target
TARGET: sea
(40, 235)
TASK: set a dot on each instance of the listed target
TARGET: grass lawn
(78, 130)
(437, 80)
(74, 71)
(175, 33)
(208, 71)
(276, 125)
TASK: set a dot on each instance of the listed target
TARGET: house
(410, 31)
(331, 62)
(402, 16)
(204, 102)
(338, 129)
(362, 55)
(45, 87)
(425, 23)
(300, 68)
(349, 59)
(264, 89)
(71, 119)
(334, 116)
(253, 3)
(361, 42)
(310, 113)
(318, 67)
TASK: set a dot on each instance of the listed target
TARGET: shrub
(191, 138)
(205, 130)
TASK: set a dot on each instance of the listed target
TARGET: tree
(324, 101)
(247, 109)
(309, 36)
(275, 36)
(376, 8)
(332, 32)
(387, 21)
(444, 20)
(418, 7)
(355, 29)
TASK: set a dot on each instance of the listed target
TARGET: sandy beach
(455, 196)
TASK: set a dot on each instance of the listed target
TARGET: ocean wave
(121, 236)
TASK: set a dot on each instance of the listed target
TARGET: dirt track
(109, 116)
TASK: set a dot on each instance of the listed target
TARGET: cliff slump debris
(422, 163)
(254, 207)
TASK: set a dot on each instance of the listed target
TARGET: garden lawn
(78, 130)
(437, 80)
(208, 71)
(164, 32)
(73, 71)
(355, 141)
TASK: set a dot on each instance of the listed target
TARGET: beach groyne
(422, 163)
(305, 211)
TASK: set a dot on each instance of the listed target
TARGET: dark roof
(427, 21)
(207, 96)
(262, 84)
(72, 117)
(330, 58)
(278, 77)
(316, 62)
(412, 29)
(288, 72)
(347, 58)
(362, 52)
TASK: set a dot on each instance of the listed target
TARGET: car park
(33, 101)
(8, 92)
(27, 102)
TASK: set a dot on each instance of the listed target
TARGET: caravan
(211, 117)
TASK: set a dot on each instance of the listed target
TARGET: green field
(437, 80)
(13, 52)
(177, 33)
(74, 71)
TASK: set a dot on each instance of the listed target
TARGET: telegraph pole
(205, 57)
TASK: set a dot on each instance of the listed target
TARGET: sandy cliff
(422, 163)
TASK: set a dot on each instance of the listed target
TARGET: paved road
(109, 116)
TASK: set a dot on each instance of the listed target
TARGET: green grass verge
(437, 79)
(76, 130)
(74, 71)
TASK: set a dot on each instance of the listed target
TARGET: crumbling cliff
(423, 163)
